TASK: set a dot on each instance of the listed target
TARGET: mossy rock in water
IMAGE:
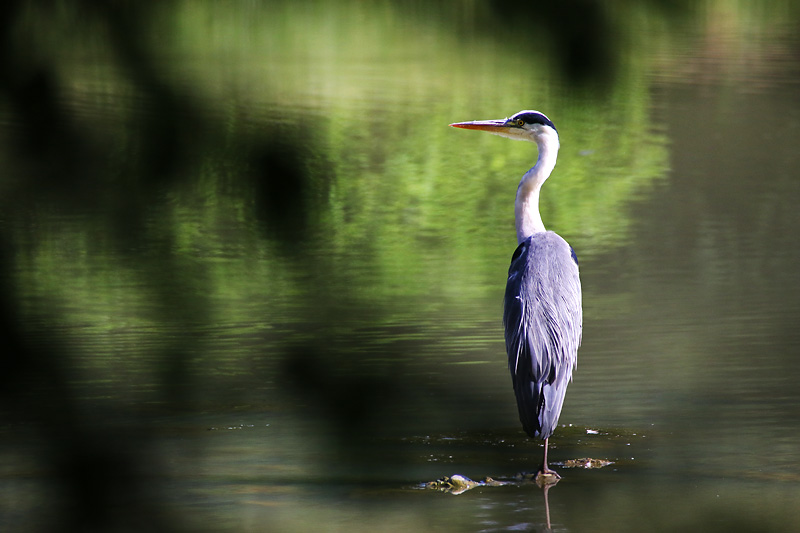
(456, 484)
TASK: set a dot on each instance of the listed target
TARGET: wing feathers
(543, 323)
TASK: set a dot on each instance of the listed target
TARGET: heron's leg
(546, 470)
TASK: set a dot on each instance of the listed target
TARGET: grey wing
(543, 326)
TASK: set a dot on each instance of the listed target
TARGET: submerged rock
(457, 484)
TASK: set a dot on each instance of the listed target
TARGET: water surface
(254, 282)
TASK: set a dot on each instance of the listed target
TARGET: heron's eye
(520, 122)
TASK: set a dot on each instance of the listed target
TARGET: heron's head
(524, 126)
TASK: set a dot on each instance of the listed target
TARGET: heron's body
(540, 320)
(542, 306)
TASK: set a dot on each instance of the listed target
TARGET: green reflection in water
(406, 206)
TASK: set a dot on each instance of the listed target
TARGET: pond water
(253, 282)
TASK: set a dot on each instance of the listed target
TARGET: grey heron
(542, 311)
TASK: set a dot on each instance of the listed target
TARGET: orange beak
(492, 126)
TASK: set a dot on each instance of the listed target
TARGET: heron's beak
(492, 126)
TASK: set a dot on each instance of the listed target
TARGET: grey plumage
(542, 318)
(542, 314)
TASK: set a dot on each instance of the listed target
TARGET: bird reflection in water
(458, 484)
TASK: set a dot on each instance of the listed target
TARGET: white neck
(526, 207)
